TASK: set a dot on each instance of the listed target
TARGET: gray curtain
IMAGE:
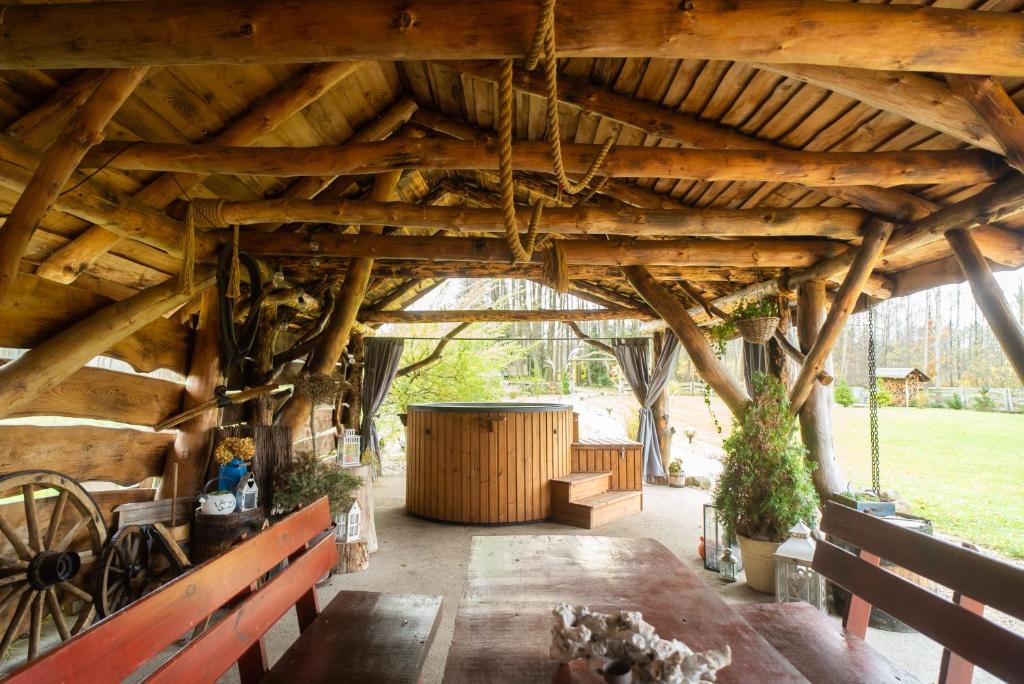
(634, 359)
(380, 364)
(755, 360)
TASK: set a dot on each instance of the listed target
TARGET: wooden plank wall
(622, 459)
(460, 469)
(50, 435)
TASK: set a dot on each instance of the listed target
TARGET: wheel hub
(53, 567)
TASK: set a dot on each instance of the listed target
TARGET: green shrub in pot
(765, 487)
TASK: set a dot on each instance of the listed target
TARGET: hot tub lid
(495, 407)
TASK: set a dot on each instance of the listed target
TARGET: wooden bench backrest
(971, 574)
(114, 648)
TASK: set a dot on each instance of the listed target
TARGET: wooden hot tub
(485, 463)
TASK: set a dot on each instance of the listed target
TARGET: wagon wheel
(52, 534)
(135, 562)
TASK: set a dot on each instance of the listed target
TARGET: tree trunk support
(989, 297)
(660, 407)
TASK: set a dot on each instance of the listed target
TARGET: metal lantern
(350, 452)
(794, 578)
(716, 538)
(728, 569)
(347, 524)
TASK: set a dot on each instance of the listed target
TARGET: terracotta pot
(676, 480)
(759, 563)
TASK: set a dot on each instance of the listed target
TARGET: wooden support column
(777, 351)
(989, 297)
(816, 414)
(48, 364)
(58, 163)
(691, 337)
(661, 407)
(351, 417)
(842, 307)
(191, 443)
(69, 261)
(336, 335)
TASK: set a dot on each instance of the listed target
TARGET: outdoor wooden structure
(849, 162)
(903, 384)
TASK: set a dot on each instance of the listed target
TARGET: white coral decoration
(581, 633)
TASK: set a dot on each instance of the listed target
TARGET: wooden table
(503, 626)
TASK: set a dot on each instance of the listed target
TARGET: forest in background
(940, 331)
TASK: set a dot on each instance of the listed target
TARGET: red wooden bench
(823, 653)
(358, 636)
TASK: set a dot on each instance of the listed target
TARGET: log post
(336, 335)
(842, 306)
(48, 364)
(989, 297)
(58, 163)
(999, 112)
(777, 353)
(691, 337)
(192, 441)
(661, 406)
(816, 414)
(352, 415)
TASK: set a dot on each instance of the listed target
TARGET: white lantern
(728, 569)
(247, 493)
(347, 524)
(350, 452)
(795, 580)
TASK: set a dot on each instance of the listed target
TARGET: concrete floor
(421, 557)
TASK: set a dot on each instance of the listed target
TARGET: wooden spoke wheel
(137, 560)
(51, 534)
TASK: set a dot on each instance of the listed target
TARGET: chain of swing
(873, 401)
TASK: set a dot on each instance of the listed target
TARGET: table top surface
(504, 621)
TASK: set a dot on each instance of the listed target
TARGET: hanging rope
(199, 210)
(556, 269)
(234, 284)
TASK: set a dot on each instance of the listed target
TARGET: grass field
(962, 469)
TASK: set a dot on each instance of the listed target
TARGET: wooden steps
(585, 500)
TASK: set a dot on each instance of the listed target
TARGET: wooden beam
(837, 223)
(323, 359)
(66, 263)
(597, 344)
(990, 298)
(68, 97)
(917, 97)
(691, 337)
(434, 355)
(816, 414)
(689, 131)
(192, 441)
(214, 31)
(963, 167)
(504, 316)
(842, 306)
(407, 268)
(93, 201)
(42, 368)
(995, 108)
(758, 252)
(57, 165)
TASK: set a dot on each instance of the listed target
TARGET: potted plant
(306, 478)
(675, 473)
(866, 502)
(756, 319)
(765, 487)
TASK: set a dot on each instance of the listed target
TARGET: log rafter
(212, 31)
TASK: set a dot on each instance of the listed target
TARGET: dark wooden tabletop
(504, 621)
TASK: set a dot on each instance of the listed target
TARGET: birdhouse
(795, 580)
(347, 523)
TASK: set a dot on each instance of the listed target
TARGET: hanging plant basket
(758, 330)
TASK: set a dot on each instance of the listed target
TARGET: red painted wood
(954, 669)
(115, 647)
(994, 582)
(858, 613)
(986, 644)
(363, 637)
(503, 626)
(216, 650)
(817, 646)
(253, 664)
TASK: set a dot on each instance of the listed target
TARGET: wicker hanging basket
(758, 330)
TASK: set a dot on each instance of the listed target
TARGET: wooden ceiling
(652, 102)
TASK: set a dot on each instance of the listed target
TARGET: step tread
(608, 498)
(581, 477)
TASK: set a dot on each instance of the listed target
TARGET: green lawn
(962, 469)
